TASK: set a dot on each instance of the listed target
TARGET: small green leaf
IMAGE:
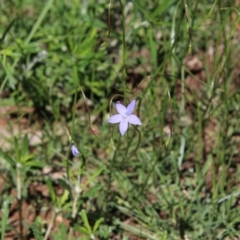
(51, 191)
(85, 221)
(97, 223)
(95, 175)
(36, 227)
(8, 28)
(82, 230)
(10, 77)
(26, 158)
(9, 53)
(35, 163)
(61, 234)
(25, 145)
(7, 158)
(104, 44)
(63, 198)
(207, 165)
(92, 191)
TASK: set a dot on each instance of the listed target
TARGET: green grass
(64, 64)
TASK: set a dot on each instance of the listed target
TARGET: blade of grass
(5, 212)
(30, 36)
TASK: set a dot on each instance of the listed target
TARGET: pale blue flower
(125, 116)
(74, 149)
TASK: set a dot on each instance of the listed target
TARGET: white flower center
(125, 117)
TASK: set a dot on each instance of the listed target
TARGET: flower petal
(120, 108)
(131, 106)
(123, 126)
(115, 118)
(74, 149)
(133, 119)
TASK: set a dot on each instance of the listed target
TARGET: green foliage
(174, 177)
(36, 231)
(4, 220)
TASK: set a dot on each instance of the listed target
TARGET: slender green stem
(74, 111)
(139, 141)
(88, 111)
(76, 195)
(19, 199)
(111, 170)
(188, 26)
(182, 108)
(78, 191)
(53, 217)
(109, 19)
(124, 51)
(4, 220)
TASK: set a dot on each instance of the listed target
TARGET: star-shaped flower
(125, 116)
(74, 149)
